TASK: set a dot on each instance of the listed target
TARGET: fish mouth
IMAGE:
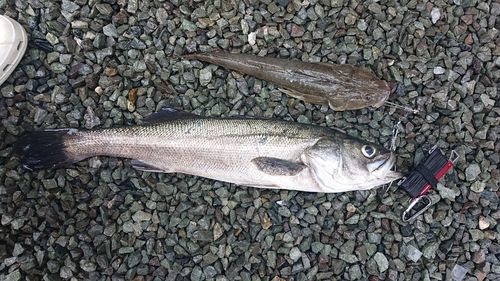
(382, 168)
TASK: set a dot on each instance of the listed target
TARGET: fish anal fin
(168, 114)
(145, 167)
(278, 167)
(310, 98)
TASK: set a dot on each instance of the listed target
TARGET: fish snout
(382, 168)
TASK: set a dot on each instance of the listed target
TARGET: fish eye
(368, 150)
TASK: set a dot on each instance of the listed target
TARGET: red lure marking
(440, 174)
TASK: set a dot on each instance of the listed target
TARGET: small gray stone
(495, 268)
(65, 272)
(445, 192)
(126, 250)
(435, 14)
(316, 246)
(163, 189)
(205, 76)
(58, 67)
(95, 230)
(18, 250)
(271, 259)
(355, 272)
(350, 258)
(132, 6)
(472, 171)
(209, 271)
(348, 247)
(53, 266)
(139, 66)
(49, 183)
(312, 210)
(295, 254)
(374, 238)
(162, 16)
(439, 70)
(353, 220)
(429, 250)
(13, 276)
(7, 91)
(284, 211)
(245, 275)
(197, 273)
(104, 9)
(303, 119)
(69, 6)
(134, 259)
(478, 186)
(188, 25)
(141, 216)
(87, 265)
(337, 3)
(382, 262)
(103, 53)
(110, 30)
(138, 44)
(476, 234)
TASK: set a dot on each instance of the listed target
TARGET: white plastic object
(413, 253)
(13, 43)
(458, 273)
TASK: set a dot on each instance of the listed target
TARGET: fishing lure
(422, 179)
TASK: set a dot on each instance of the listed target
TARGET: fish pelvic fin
(278, 167)
(44, 150)
(145, 167)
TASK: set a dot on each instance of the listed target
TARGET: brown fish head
(360, 88)
(346, 164)
(355, 99)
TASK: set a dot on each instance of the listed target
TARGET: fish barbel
(255, 152)
(342, 87)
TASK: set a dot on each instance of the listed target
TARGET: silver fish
(264, 153)
(342, 87)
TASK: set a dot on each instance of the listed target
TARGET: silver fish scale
(222, 149)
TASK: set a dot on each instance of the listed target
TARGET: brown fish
(246, 151)
(342, 87)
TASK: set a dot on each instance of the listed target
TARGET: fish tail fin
(44, 150)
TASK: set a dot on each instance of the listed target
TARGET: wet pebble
(116, 221)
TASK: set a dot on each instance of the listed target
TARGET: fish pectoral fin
(338, 104)
(278, 167)
(310, 98)
(145, 167)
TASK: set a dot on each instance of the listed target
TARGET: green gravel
(100, 219)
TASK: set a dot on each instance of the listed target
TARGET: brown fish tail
(44, 150)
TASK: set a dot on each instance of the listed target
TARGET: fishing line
(402, 107)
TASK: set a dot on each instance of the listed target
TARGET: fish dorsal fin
(168, 114)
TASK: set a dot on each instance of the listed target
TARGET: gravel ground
(106, 64)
